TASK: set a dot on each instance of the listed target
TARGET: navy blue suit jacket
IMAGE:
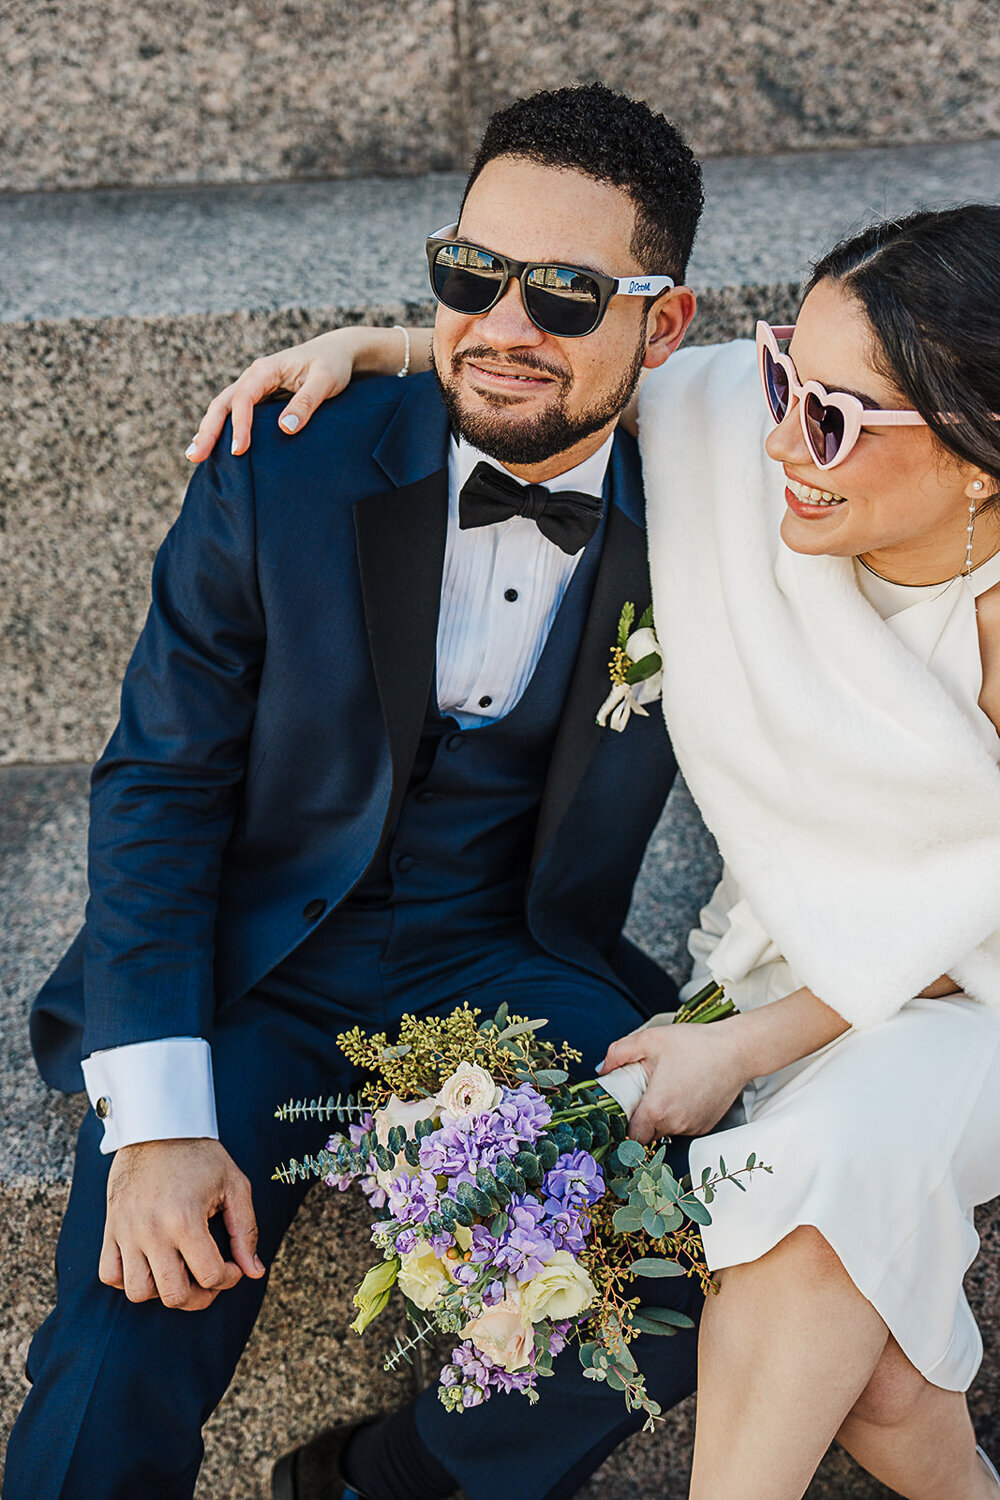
(271, 713)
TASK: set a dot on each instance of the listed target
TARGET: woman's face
(899, 500)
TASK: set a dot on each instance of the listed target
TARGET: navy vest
(466, 828)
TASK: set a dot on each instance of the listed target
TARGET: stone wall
(97, 413)
(133, 92)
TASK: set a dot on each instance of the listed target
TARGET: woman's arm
(695, 1072)
(314, 371)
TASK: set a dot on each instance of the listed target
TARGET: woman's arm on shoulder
(315, 371)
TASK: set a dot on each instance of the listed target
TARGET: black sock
(390, 1461)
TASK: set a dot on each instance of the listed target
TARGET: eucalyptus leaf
(696, 1210)
(668, 1315)
(630, 1153)
(652, 1266)
(647, 1325)
(550, 1077)
(627, 1220)
(520, 1029)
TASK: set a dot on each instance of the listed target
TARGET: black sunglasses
(566, 301)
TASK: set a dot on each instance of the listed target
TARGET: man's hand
(694, 1075)
(161, 1195)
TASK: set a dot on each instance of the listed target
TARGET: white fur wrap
(850, 796)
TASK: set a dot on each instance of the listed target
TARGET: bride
(829, 618)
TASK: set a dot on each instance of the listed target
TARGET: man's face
(521, 395)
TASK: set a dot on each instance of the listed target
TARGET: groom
(357, 773)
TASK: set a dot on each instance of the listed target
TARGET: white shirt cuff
(153, 1091)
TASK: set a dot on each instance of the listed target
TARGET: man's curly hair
(614, 139)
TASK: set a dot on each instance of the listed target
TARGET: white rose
(469, 1091)
(561, 1289)
(422, 1276)
(642, 643)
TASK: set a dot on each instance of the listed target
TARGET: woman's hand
(315, 371)
(694, 1074)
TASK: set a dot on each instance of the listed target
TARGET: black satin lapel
(401, 540)
(623, 574)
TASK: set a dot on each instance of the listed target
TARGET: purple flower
(406, 1240)
(513, 1380)
(568, 1228)
(493, 1294)
(413, 1198)
(452, 1151)
(576, 1179)
(527, 1112)
(524, 1246)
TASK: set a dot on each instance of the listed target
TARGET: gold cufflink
(103, 1107)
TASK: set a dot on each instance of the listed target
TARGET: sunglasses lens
(562, 301)
(775, 387)
(825, 429)
(465, 278)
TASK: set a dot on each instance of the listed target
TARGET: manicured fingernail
(235, 448)
(599, 1068)
(289, 422)
(258, 1263)
(189, 450)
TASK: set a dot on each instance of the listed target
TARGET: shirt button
(103, 1107)
(454, 742)
(510, 595)
(405, 863)
(485, 702)
(313, 910)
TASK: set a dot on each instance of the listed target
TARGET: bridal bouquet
(511, 1210)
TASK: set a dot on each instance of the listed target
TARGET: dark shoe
(314, 1471)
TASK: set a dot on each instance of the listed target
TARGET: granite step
(133, 92)
(303, 1368)
(122, 313)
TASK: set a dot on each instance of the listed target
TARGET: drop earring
(977, 484)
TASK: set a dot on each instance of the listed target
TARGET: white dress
(886, 1139)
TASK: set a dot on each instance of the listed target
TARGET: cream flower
(561, 1289)
(401, 1112)
(422, 1276)
(469, 1091)
(503, 1333)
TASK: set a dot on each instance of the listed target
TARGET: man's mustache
(516, 362)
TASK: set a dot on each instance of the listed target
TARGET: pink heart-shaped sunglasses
(832, 421)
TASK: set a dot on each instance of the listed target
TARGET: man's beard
(511, 439)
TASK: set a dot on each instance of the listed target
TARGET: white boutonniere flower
(636, 669)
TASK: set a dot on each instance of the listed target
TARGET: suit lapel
(623, 574)
(401, 537)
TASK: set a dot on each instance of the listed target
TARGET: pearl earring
(969, 530)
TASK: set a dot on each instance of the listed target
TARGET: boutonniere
(636, 669)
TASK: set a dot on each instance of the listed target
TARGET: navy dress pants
(120, 1391)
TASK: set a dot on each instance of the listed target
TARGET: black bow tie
(567, 518)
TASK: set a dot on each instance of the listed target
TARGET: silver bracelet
(406, 362)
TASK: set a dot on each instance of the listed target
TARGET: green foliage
(625, 624)
(342, 1108)
(646, 666)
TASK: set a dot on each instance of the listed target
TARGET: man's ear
(667, 323)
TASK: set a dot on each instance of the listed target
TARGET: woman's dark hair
(613, 139)
(930, 287)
